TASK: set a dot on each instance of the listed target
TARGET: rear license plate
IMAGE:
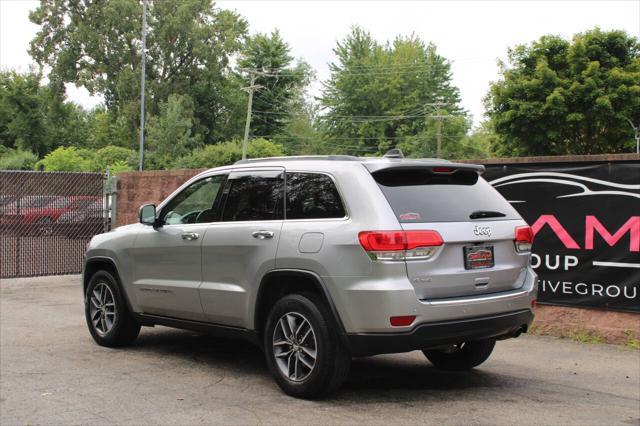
(478, 257)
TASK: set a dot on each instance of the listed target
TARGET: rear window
(312, 196)
(418, 195)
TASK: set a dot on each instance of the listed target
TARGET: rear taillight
(524, 239)
(400, 245)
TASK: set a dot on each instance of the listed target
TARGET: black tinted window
(417, 195)
(312, 196)
(255, 196)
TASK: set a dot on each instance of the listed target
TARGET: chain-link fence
(47, 219)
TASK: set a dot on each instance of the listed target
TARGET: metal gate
(47, 219)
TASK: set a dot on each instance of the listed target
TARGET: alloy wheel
(102, 308)
(294, 346)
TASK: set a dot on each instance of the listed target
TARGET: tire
(461, 357)
(44, 226)
(123, 329)
(331, 365)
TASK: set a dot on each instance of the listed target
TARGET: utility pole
(142, 78)
(438, 118)
(438, 136)
(249, 89)
(636, 130)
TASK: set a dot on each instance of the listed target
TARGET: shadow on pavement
(370, 378)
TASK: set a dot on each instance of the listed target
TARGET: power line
(343, 72)
(329, 138)
(373, 69)
(344, 116)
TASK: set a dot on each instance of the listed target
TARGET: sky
(473, 35)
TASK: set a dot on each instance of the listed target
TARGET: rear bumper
(365, 306)
(428, 335)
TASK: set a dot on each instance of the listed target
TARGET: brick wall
(138, 188)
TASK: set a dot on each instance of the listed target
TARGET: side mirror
(147, 214)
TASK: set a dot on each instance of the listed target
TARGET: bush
(262, 148)
(110, 156)
(228, 153)
(15, 159)
(119, 166)
(70, 159)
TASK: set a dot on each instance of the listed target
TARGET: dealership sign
(586, 222)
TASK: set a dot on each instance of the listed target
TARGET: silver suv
(320, 259)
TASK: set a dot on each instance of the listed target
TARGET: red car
(38, 213)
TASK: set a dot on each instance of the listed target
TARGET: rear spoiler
(444, 167)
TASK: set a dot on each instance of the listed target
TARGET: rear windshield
(418, 195)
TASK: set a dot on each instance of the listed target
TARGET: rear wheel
(108, 318)
(44, 226)
(462, 356)
(302, 347)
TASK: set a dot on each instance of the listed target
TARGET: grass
(631, 342)
(585, 336)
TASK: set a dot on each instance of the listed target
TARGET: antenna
(394, 153)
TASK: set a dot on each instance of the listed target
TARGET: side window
(312, 196)
(195, 204)
(254, 196)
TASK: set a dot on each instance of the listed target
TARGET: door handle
(262, 235)
(190, 236)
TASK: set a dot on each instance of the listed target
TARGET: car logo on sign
(482, 230)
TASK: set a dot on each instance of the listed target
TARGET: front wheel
(302, 347)
(462, 356)
(108, 318)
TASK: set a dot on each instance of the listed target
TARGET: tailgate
(475, 222)
(446, 275)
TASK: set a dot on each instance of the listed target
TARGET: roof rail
(301, 158)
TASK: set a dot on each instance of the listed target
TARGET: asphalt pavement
(51, 372)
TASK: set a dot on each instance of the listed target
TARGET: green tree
(116, 158)
(11, 159)
(568, 97)
(96, 45)
(282, 84)
(379, 95)
(226, 153)
(479, 142)
(170, 134)
(302, 135)
(108, 129)
(70, 159)
(452, 137)
(22, 118)
(36, 118)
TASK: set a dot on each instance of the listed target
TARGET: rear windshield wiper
(481, 214)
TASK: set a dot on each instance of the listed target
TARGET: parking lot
(53, 373)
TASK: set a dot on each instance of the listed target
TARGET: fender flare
(105, 259)
(318, 282)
